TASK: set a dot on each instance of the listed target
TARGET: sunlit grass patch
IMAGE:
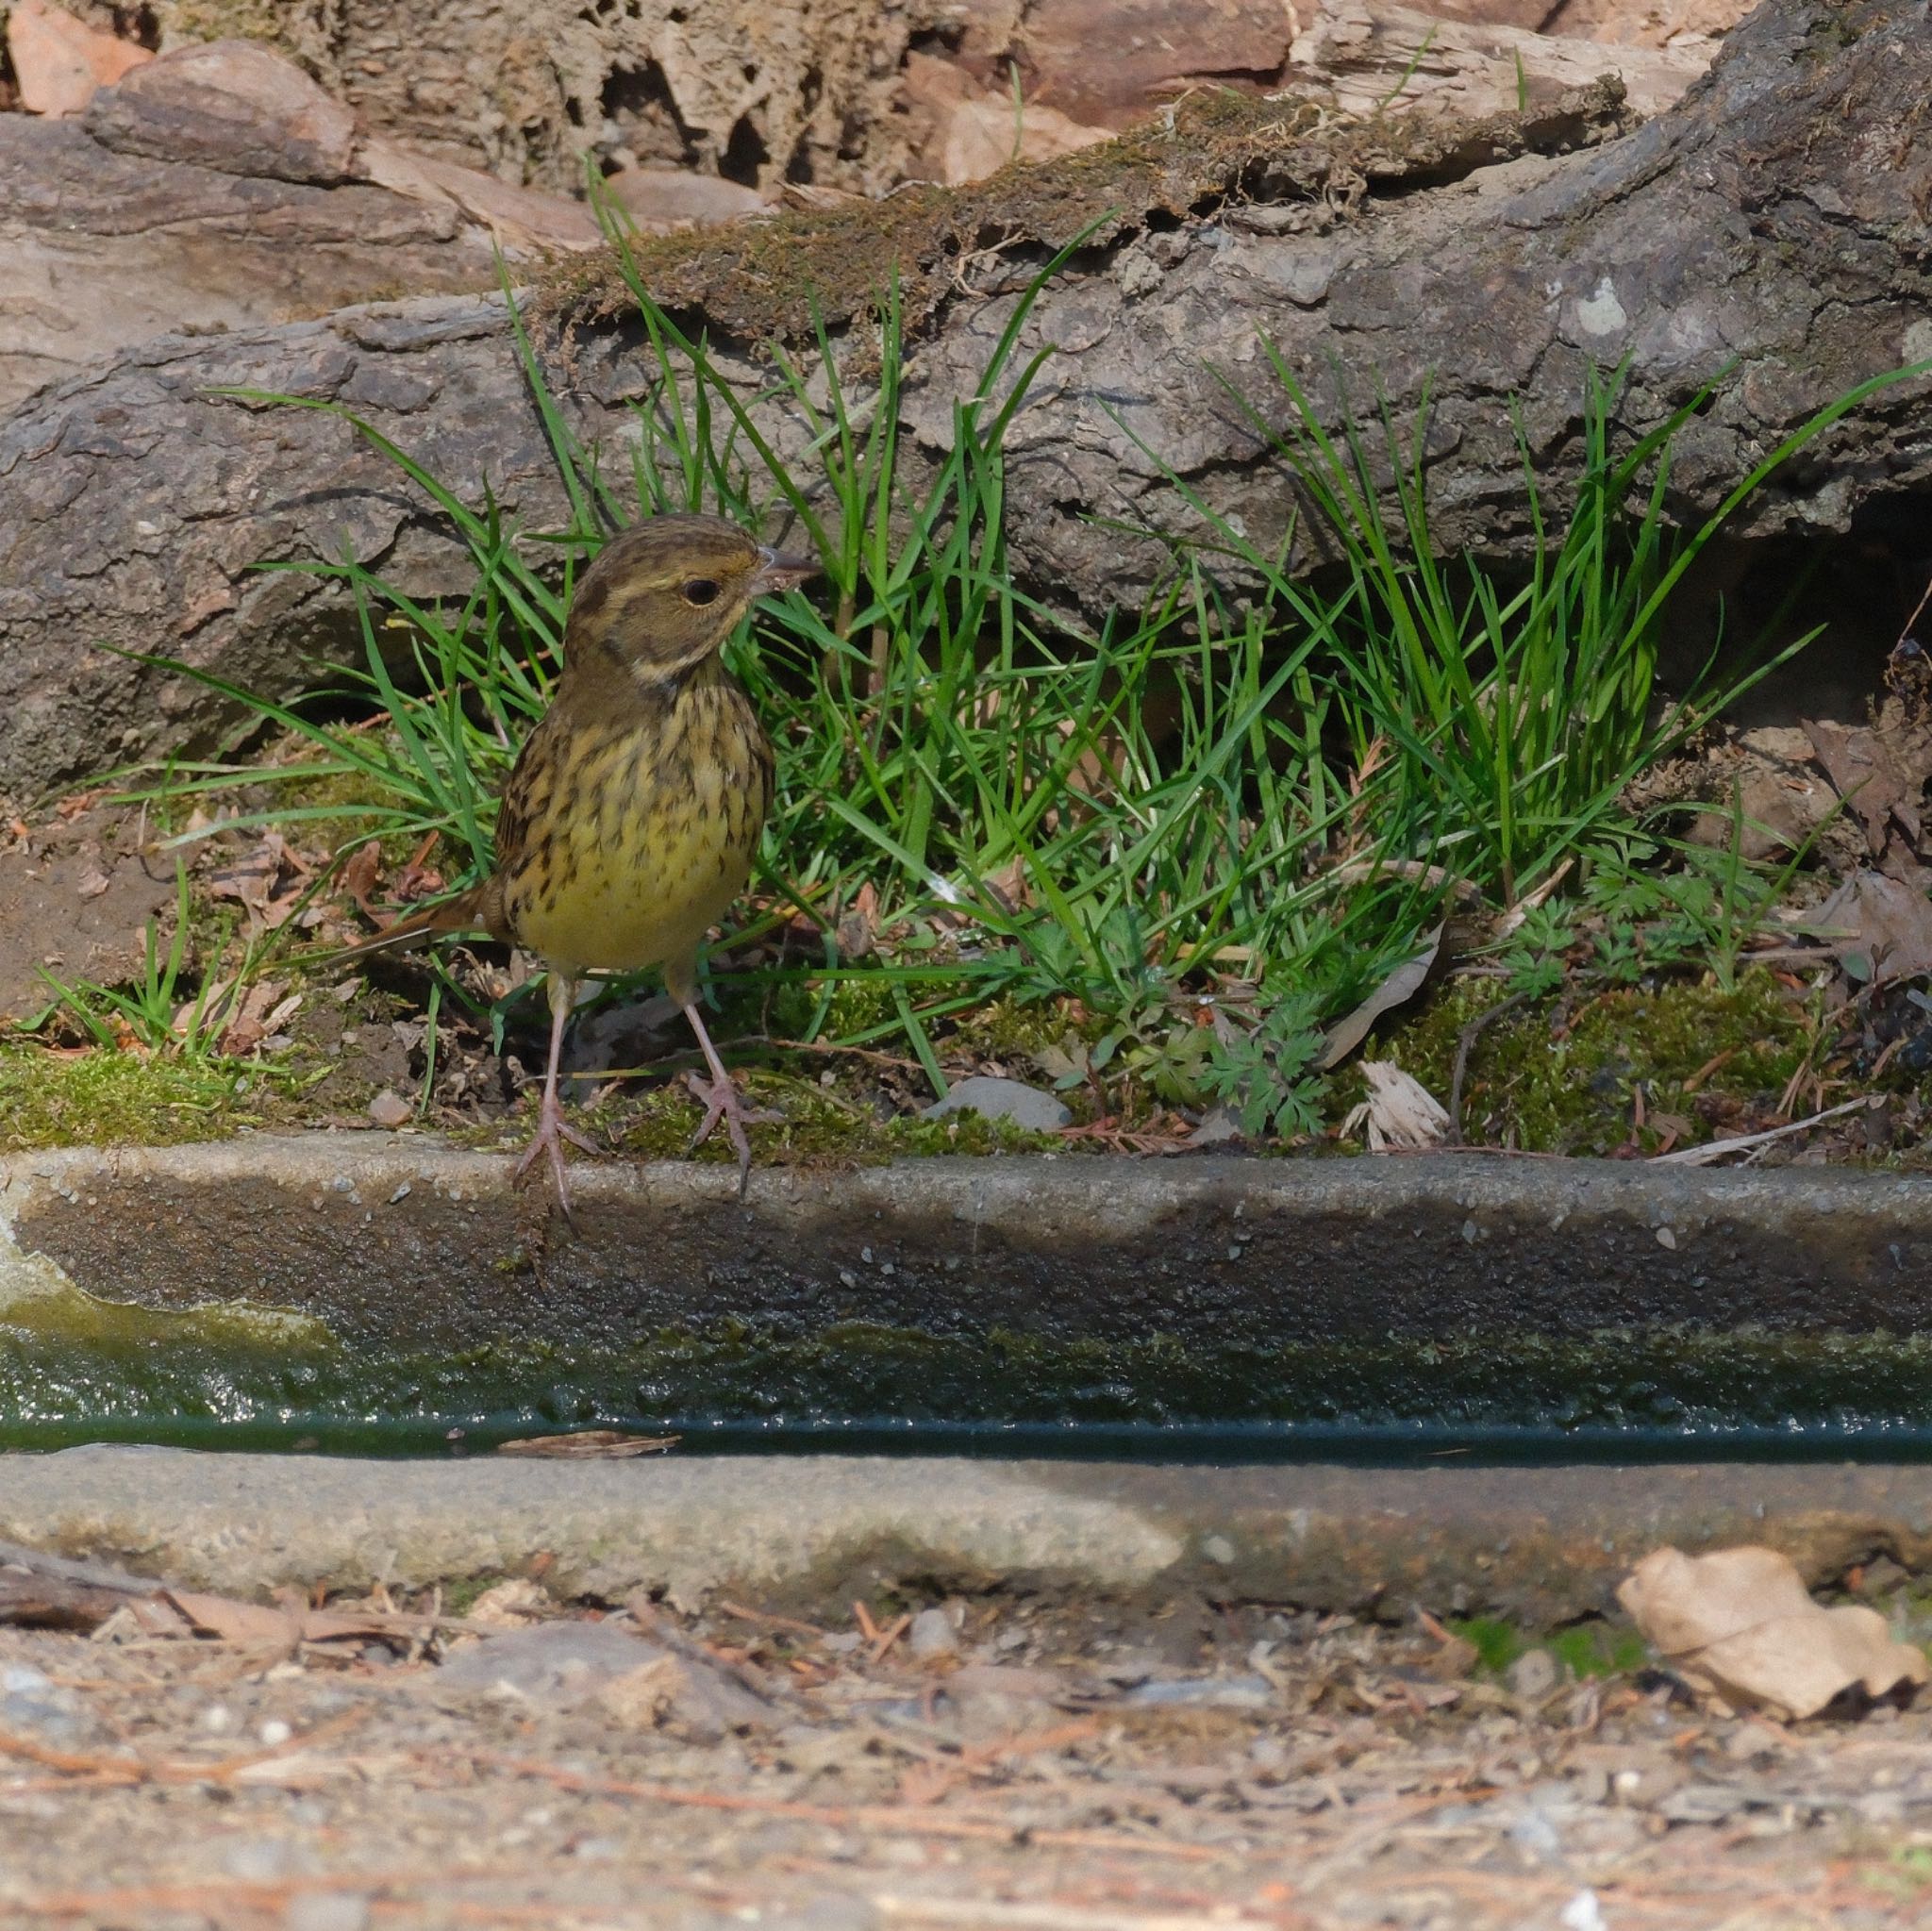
(1199, 831)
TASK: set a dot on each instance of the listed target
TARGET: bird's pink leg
(552, 1129)
(723, 1101)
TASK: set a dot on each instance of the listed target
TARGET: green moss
(856, 1007)
(1012, 1031)
(1598, 1649)
(814, 1127)
(1584, 1649)
(462, 1595)
(1558, 1077)
(1497, 1644)
(221, 20)
(185, 1380)
(123, 1099)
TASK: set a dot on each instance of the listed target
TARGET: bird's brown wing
(523, 796)
(481, 908)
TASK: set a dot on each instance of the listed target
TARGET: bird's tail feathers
(464, 913)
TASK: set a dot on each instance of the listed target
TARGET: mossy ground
(100, 1098)
(1560, 1075)
(1584, 1649)
(1563, 1075)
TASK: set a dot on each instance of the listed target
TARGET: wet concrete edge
(397, 1242)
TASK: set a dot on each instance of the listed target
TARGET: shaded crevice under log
(1775, 221)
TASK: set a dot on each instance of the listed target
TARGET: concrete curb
(782, 1531)
(410, 1239)
(1037, 1288)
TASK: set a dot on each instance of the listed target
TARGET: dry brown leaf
(1863, 774)
(1399, 1111)
(266, 1007)
(259, 1627)
(589, 1444)
(858, 929)
(267, 883)
(1401, 984)
(513, 1603)
(1740, 1625)
(1883, 926)
(1882, 768)
(417, 881)
(360, 874)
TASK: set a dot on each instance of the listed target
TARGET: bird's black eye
(699, 592)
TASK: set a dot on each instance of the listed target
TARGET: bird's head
(664, 594)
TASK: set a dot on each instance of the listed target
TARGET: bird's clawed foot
(723, 1101)
(553, 1129)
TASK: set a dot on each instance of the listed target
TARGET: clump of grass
(1506, 721)
(149, 1012)
(1129, 820)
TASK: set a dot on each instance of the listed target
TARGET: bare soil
(1047, 1769)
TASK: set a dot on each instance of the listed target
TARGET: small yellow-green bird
(632, 814)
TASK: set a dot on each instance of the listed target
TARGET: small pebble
(258, 1859)
(389, 1109)
(31, 1701)
(830, 1913)
(326, 1910)
(274, 1733)
(932, 1635)
(1003, 1099)
(1533, 1675)
(217, 1719)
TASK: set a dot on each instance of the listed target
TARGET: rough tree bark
(1775, 219)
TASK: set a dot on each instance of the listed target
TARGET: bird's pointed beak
(778, 571)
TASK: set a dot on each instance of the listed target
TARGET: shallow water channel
(360, 1298)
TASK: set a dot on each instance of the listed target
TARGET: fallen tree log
(1775, 220)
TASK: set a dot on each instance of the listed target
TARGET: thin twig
(983, 1914)
(1918, 609)
(1463, 1046)
(1717, 1149)
(764, 1617)
(1710, 1066)
(834, 1049)
(141, 1769)
(889, 1637)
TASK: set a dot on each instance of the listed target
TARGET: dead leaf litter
(982, 1762)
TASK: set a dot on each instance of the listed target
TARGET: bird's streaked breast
(637, 843)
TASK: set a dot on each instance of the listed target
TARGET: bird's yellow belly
(637, 871)
(631, 902)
